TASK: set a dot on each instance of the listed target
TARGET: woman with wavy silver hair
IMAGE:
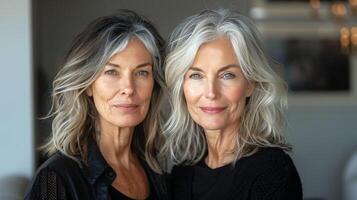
(225, 133)
(106, 101)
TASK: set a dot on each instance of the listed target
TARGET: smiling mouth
(212, 110)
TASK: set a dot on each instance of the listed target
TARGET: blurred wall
(16, 149)
(324, 138)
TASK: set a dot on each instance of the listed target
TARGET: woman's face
(122, 92)
(215, 88)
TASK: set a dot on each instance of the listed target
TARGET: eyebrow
(138, 66)
(222, 69)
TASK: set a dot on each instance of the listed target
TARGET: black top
(206, 179)
(62, 178)
(115, 194)
(267, 174)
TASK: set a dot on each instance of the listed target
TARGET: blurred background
(315, 41)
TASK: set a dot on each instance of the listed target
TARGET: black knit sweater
(267, 174)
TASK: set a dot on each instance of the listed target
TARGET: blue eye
(195, 76)
(142, 73)
(111, 72)
(228, 76)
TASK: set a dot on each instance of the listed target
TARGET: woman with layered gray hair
(225, 133)
(106, 101)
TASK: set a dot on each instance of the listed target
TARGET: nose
(127, 86)
(210, 89)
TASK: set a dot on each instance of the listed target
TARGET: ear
(250, 89)
(89, 91)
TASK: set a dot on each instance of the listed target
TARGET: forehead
(134, 52)
(217, 53)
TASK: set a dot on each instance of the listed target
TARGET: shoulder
(270, 153)
(273, 174)
(51, 177)
(268, 158)
(267, 162)
(58, 161)
(61, 164)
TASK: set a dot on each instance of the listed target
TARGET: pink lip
(212, 110)
(126, 107)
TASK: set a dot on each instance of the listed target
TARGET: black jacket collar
(96, 165)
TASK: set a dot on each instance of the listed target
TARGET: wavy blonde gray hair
(74, 114)
(263, 120)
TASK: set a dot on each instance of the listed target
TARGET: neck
(115, 146)
(220, 145)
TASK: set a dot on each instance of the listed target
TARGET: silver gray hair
(74, 114)
(263, 120)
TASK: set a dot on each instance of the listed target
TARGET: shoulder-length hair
(263, 120)
(74, 114)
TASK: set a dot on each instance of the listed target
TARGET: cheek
(103, 91)
(236, 92)
(236, 97)
(101, 98)
(144, 89)
(192, 91)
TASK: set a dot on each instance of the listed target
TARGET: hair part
(263, 120)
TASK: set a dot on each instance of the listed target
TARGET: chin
(128, 123)
(212, 126)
